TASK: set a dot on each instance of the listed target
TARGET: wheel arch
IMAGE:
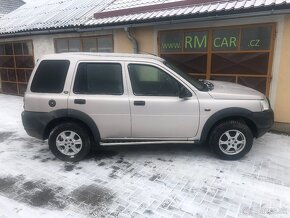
(76, 117)
(240, 114)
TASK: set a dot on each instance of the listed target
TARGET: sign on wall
(226, 39)
(195, 41)
(256, 38)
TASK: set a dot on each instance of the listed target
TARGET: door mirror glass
(184, 93)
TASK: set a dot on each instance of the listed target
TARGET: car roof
(102, 56)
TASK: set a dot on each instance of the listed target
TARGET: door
(157, 111)
(239, 54)
(100, 92)
(16, 65)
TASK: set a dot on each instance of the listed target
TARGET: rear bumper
(35, 123)
(264, 121)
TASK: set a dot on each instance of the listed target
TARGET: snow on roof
(176, 9)
(6, 6)
(61, 14)
(51, 14)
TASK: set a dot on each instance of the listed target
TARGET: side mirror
(184, 93)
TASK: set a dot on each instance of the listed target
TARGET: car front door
(100, 92)
(157, 111)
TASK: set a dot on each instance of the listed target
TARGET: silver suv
(81, 100)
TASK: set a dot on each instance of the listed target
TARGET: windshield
(196, 83)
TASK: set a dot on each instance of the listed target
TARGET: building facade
(246, 46)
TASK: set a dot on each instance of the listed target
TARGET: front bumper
(264, 121)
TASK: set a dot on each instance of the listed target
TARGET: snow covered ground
(139, 181)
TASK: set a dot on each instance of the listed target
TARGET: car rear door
(99, 91)
(157, 111)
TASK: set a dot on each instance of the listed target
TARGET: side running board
(145, 142)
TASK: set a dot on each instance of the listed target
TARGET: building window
(16, 65)
(85, 44)
(241, 54)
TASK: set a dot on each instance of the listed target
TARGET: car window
(99, 78)
(152, 81)
(50, 76)
(196, 83)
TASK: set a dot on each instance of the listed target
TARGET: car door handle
(139, 103)
(80, 101)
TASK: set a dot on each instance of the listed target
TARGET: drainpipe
(132, 39)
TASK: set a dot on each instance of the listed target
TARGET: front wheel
(231, 140)
(69, 142)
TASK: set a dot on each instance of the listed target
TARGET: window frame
(64, 81)
(180, 84)
(99, 62)
(82, 38)
(20, 83)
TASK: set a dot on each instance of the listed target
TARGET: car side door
(100, 92)
(157, 109)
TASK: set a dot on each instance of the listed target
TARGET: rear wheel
(69, 142)
(231, 140)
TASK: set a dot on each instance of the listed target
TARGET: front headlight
(265, 104)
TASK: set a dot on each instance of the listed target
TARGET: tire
(231, 140)
(69, 142)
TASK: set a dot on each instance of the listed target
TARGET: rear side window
(99, 78)
(50, 76)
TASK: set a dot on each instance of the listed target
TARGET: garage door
(240, 54)
(16, 65)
